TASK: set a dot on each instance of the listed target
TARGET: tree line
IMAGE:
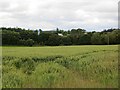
(23, 37)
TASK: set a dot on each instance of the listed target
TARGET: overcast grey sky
(64, 14)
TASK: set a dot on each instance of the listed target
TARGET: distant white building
(85, 33)
(60, 34)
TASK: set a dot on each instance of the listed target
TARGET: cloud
(64, 14)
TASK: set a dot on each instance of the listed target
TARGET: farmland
(92, 66)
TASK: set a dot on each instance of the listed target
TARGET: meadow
(94, 66)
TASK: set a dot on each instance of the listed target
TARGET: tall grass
(93, 67)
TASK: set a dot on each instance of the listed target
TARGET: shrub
(28, 42)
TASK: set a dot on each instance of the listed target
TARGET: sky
(90, 15)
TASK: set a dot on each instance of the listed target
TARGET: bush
(28, 42)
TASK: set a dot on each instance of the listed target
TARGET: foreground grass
(60, 67)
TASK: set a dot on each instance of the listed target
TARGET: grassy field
(60, 67)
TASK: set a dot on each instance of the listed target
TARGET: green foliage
(87, 67)
(10, 37)
(46, 59)
(66, 41)
(26, 64)
(48, 74)
(54, 40)
(28, 42)
(13, 80)
(18, 36)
